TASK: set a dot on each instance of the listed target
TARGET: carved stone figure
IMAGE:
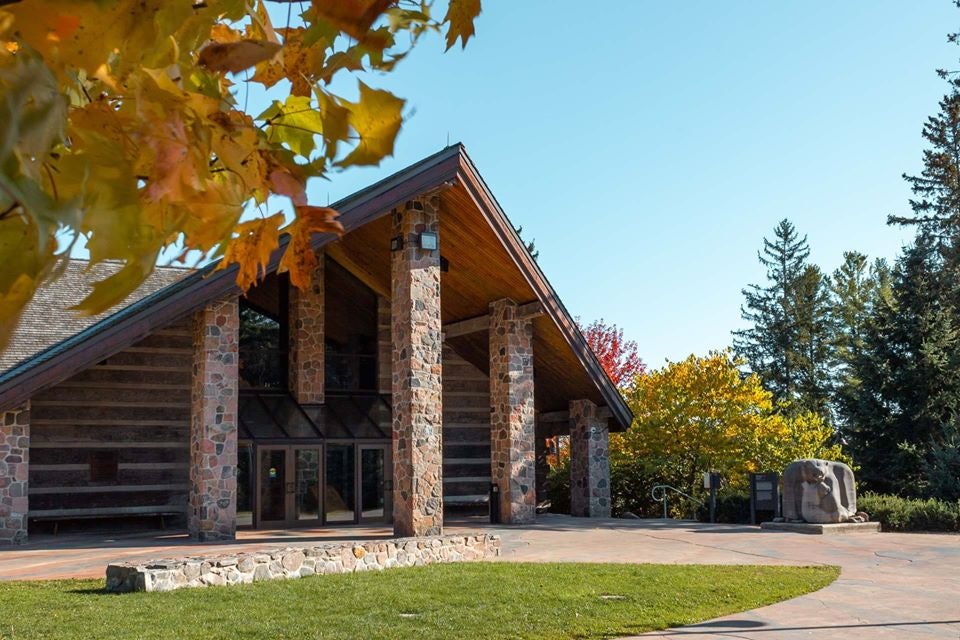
(820, 492)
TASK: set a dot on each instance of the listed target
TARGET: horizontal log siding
(135, 404)
(466, 431)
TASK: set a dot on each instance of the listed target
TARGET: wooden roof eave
(486, 202)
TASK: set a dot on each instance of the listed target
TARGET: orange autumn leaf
(353, 17)
(237, 56)
(251, 249)
(300, 259)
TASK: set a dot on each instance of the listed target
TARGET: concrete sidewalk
(891, 586)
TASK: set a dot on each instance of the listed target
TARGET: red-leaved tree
(619, 357)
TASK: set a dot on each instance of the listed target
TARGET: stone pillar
(416, 364)
(305, 354)
(212, 512)
(384, 348)
(14, 462)
(512, 424)
(589, 461)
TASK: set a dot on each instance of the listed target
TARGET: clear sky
(648, 147)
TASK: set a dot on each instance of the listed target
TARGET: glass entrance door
(375, 490)
(312, 485)
(274, 499)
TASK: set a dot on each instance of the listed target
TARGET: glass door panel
(373, 475)
(339, 496)
(245, 489)
(307, 504)
(273, 485)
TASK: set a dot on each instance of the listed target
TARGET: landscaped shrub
(910, 514)
(558, 487)
(630, 485)
(732, 507)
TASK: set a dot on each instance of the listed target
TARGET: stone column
(14, 462)
(416, 363)
(212, 512)
(589, 461)
(384, 348)
(512, 423)
(306, 330)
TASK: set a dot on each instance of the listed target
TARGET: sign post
(764, 494)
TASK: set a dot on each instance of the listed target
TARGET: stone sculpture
(820, 492)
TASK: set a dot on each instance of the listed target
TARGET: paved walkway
(891, 585)
(900, 586)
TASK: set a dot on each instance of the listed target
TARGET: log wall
(466, 432)
(126, 420)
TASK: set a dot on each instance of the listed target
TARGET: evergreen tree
(787, 342)
(855, 289)
(909, 375)
(936, 201)
(813, 353)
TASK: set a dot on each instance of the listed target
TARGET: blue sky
(648, 147)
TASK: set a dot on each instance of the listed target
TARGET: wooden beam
(335, 250)
(482, 323)
(464, 327)
(603, 413)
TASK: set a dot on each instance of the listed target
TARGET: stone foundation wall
(416, 363)
(589, 461)
(306, 325)
(512, 423)
(212, 513)
(14, 458)
(298, 562)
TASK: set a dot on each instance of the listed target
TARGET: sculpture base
(844, 528)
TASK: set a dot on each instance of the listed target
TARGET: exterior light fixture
(429, 241)
(396, 243)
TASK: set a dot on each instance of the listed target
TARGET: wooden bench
(58, 515)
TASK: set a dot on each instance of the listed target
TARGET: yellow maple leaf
(460, 17)
(376, 117)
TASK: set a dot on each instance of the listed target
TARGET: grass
(476, 601)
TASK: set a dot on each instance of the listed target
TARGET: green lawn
(478, 600)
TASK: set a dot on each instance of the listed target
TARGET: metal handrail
(661, 491)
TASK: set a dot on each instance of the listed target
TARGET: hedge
(910, 514)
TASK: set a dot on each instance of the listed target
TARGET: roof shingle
(47, 319)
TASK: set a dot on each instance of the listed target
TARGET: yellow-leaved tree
(123, 122)
(704, 414)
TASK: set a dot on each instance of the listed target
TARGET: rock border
(297, 562)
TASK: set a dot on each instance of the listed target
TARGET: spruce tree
(813, 352)
(909, 375)
(786, 341)
(855, 289)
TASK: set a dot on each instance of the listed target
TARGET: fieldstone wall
(512, 417)
(298, 562)
(416, 381)
(306, 351)
(212, 509)
(14, 461)
(589, 461)
(384, 347)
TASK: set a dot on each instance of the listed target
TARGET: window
(262, 362)
(103, 467)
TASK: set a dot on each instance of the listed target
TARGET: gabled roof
(36, 331)
(449, 166)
